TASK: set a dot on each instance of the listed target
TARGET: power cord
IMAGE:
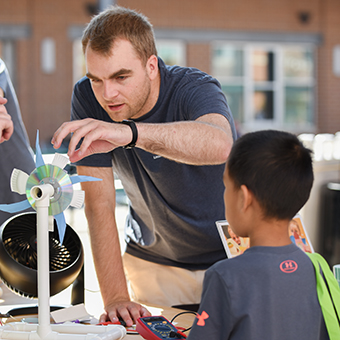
(181, 313)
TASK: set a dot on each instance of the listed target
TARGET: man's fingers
(138, 311)
(103, 317)
(129, 312)
(145, 312)
(125, 315)
(65, 129)
(88, 132)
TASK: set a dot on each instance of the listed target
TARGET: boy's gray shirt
(266, 293)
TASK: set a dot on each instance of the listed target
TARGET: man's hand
(6, 124)
(129, 311)
(98, 137)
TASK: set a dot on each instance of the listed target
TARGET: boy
(269, 292)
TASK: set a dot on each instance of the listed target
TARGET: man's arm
(100, 213)
(6, 124)
(206, 141)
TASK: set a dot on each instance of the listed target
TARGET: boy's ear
(247, 197)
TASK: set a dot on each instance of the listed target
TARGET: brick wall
(45, 98)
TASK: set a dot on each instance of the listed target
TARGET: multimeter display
(158, 327)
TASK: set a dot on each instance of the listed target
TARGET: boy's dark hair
(120, 23)
(276, 168)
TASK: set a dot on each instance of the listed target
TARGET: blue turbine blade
(77, 179)
(15, 207)
(39, 161)
(61, 224)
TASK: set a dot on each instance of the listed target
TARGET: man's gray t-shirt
(173, 206)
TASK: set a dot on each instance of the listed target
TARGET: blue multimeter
(158, 327)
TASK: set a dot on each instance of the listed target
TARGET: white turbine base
(67, 331)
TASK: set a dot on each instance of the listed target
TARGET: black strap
(134, 130)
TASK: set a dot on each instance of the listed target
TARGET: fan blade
(60, 160)
(15, 207)
(78, 199)
(78, 178)
(61, 223)
(18, 181)
(39, 161)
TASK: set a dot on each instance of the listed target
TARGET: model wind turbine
(49, 191)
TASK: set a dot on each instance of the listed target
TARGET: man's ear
(152, 67)
(247, 197)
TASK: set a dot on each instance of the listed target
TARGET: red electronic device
(158, 327)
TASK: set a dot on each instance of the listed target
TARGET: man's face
(120, 82)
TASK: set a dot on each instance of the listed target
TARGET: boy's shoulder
(263, 260)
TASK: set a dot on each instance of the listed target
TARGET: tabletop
(182, 319)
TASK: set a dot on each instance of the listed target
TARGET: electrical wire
(182, 329)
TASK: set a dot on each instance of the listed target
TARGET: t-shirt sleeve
(84, 105)
(206, 96)
(214, 319)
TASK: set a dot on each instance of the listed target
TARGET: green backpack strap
(328, 295)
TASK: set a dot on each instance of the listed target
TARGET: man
(16, 151)
(166, 131)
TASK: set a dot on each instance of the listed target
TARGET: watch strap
(134, 130)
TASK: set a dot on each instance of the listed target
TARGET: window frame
(279, 84)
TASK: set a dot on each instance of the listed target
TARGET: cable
(181, 313)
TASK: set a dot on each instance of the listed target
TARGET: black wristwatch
(134, 130)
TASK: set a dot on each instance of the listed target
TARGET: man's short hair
(276, 167)
(120, 23)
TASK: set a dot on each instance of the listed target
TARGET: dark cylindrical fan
(18, 256)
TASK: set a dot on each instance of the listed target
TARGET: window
(228, 67)
(172, 52)
(267, 85)
(79, 67)
(298, 81)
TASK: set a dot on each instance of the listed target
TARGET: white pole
(42, 194)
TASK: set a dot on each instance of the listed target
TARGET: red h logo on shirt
(288, 266)
(201, 318)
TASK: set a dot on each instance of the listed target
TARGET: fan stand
(44, 330)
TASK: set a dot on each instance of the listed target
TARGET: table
(183, 320)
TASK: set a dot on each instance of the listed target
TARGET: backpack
(328, 295)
